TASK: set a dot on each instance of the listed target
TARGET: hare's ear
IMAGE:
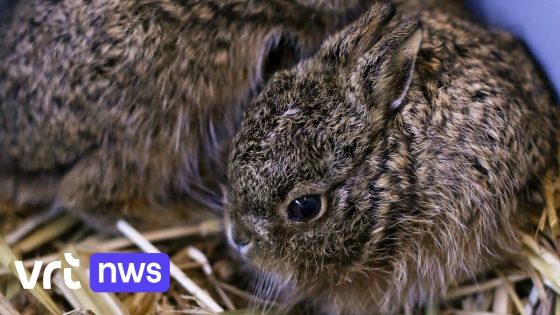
(347, 46)
(281, 51)
(384, 73)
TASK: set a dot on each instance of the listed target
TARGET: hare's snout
(239, 237)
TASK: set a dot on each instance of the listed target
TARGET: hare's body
(106, 103)
(413, 144)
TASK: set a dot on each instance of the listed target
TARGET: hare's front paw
(103, 188)
(115, 184)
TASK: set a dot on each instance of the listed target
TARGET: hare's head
(297, 202)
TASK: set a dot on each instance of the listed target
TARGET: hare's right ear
(347, 46)
(383, 75)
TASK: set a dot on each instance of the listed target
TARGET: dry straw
(204, 280)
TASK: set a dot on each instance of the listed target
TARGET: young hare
(388, 166)
(106, 105)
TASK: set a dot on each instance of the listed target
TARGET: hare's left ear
(385, 72)
(343, 49)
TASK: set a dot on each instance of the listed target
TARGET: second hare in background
(110, 107)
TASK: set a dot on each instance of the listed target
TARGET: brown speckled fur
(420, 193)
(107, 104)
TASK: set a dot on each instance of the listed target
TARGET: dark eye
(305, 208)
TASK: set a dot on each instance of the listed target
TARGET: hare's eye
(305, 208)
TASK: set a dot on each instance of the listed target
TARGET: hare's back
(481, 118)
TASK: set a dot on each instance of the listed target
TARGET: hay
(205, 280)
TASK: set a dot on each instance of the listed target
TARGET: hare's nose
(241, 238)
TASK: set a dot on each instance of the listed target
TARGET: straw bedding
(527, 286)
